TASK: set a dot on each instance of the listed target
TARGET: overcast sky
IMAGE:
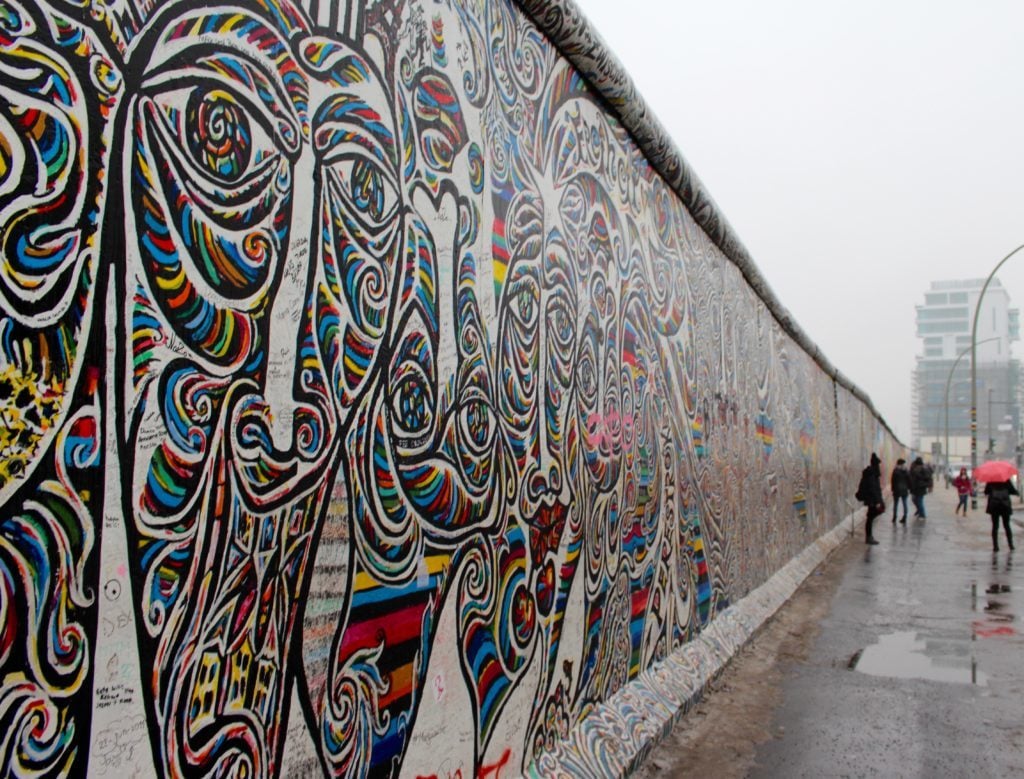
(860, 150)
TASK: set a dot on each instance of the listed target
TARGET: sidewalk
(918, 669)
(898, 660)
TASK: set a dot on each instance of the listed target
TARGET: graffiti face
(537, 341)
(262, 178)
(600, 247)
(435, 430)
(424, 451)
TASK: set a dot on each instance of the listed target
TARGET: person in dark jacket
(920, 485)
(870, 493)
(1000, 507)
(899, 483)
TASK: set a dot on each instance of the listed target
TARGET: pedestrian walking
(899, 483)
(869, 492)
(999, 507)
(964, 489)
(920, 485)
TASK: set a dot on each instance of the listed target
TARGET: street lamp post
(949, 379)
(991, 446)
(974, 367)
(938, 427)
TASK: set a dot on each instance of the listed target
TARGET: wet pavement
(918, 667)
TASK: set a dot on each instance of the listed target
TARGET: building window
(957, 297)
(933, 351)
(935, 299)
(942, 313)
(934, 341)
(942, 327)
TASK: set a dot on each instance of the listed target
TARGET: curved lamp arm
(974, 370)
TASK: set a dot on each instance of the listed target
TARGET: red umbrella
(996, 470)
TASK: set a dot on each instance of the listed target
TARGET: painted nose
(288, 313)
(545, 481)
(547, 478)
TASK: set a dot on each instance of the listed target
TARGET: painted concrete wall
(370, 405)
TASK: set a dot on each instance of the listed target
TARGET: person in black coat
(870, 494)
(1000, 507)
(920, 485)
(899, 483)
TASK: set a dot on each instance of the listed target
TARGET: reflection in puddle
(996, 617)
(994, 605)
(903, 656)
(991, 628)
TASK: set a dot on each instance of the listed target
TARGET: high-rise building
(941, 404)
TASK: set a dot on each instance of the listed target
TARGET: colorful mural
(370, 404)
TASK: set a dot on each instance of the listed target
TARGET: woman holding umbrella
(998, 488)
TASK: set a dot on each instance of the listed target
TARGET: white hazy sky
(860, 150)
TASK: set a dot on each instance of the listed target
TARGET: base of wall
(621, 732)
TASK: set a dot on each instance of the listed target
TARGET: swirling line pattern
(363, 385)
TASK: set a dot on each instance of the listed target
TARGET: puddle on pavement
(904, 656)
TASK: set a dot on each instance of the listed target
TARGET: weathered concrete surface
(920, 611)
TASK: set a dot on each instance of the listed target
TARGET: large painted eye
(586, 366)
(411, 396)
(587, 377)
(525, 302)
(412, 402)
(368, 190)
(219, 138)
(367, 187)
(476, 424)
(560, 324)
